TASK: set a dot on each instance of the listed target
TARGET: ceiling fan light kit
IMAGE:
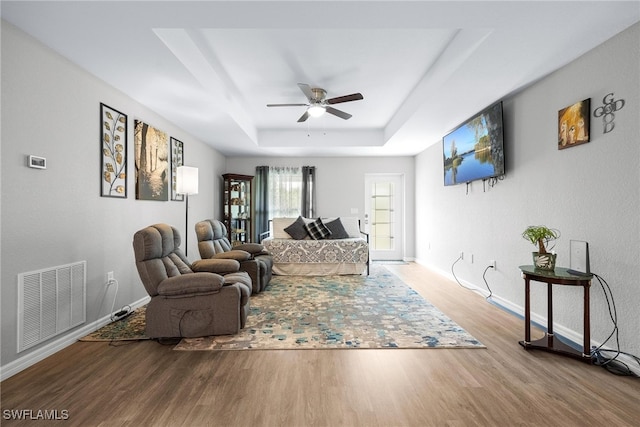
(316, 110)
(318, 105)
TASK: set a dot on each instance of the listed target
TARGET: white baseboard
(66, 340)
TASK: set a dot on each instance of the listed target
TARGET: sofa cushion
(337, 229)
(297, 230)
(317, 230)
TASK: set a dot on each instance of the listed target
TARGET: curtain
(308, 191)
(261, 215)
(285, 191)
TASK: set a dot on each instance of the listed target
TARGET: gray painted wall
(340, 183)
(51, 108)
(589, 192)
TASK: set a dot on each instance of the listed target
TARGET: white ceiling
(423, 67)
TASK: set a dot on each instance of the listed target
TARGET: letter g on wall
(607, 110)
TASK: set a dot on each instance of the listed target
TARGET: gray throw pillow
(337, 229)
(297, 230)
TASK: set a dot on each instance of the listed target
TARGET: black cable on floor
(598, 356)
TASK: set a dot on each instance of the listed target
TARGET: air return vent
(50, 301)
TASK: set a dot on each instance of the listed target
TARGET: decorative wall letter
(606, 111)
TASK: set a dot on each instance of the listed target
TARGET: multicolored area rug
(130, 328)
(332, 312)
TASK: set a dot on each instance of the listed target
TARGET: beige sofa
(307, 256)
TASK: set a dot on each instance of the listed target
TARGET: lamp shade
(186, 180)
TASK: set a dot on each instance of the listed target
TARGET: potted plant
(541, 236)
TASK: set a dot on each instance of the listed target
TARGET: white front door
(384, 201)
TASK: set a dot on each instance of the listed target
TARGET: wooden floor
(147, 384)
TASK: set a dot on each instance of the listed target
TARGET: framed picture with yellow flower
(113, 139)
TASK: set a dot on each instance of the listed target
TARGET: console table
(550, 342)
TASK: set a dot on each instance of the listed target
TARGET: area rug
(130, 328)
(340, 312)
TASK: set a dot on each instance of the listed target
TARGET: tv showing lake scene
(475, 149)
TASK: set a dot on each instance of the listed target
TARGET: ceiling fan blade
(345, 98)
(287, 105)
(304, 117)
(306, 89)
(338, 113)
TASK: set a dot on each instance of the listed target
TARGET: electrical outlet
(110, 277)
(492, 264)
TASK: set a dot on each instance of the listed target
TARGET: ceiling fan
(318, 105)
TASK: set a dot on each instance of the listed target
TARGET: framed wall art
(152, 162)
(573, 124)
(113, 141)
(177, 159)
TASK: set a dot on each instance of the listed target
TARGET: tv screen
(475, 150)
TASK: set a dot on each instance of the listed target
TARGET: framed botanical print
(113, 141)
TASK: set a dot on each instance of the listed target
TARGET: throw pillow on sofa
(297, 230)
(318, 230)
(337, 229)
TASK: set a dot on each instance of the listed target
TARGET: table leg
(527, 312)
(549, 315)
(586, 327)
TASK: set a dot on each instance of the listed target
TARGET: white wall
(340, 183)
(590, 192)
(51, 108)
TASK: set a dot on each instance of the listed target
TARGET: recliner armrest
(238, 255)
(220, 266)
(190, 284)
(252, 248)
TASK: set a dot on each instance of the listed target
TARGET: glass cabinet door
(238, 207)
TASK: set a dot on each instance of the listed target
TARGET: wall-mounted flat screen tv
(475, 149)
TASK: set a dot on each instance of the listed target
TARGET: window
(285, 192)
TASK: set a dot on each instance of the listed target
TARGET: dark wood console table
(550, 342)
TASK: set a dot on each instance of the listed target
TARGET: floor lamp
(186, 183)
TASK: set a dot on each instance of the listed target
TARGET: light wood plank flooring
(147, 384)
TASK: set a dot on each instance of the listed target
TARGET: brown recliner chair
(213, 243)
(188, 300)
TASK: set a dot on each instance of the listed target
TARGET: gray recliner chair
(213, 243)
(208, 297)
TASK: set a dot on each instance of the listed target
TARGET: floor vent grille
(50, 302)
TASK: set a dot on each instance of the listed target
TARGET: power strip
(120, 315)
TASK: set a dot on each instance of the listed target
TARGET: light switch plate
(37, 162)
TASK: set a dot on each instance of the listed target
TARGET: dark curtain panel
(261, 215)
(308, 191)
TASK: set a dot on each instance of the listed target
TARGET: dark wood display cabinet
(238, 207)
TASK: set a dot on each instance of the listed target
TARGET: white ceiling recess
(423, 67)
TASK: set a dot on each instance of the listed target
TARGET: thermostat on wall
(37, 162)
